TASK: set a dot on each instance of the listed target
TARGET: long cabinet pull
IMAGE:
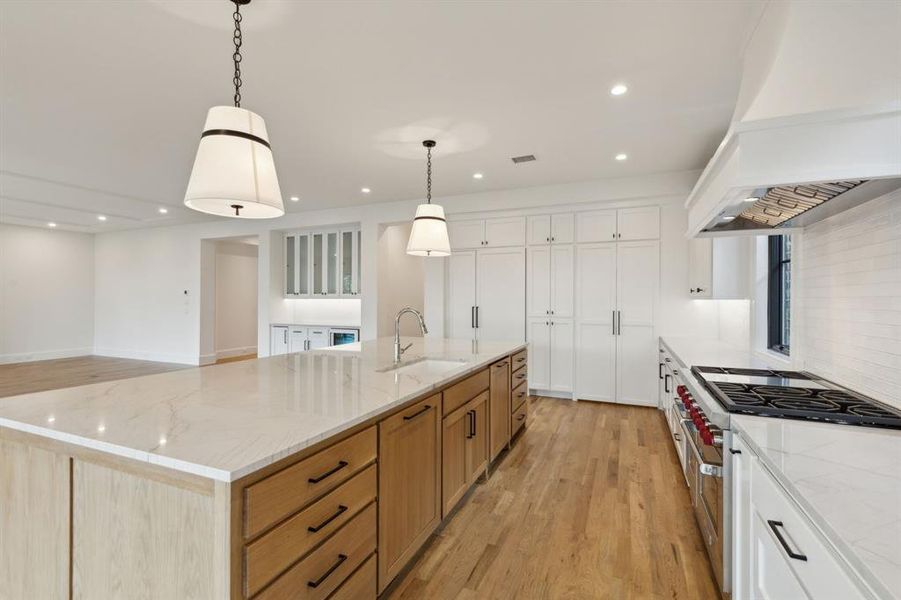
(472, 317)
(341, 464)
(424, 410)
(469, 427)
(315, 528)
(331, 569)
(666, 379)
(660, 371)
(791, 553)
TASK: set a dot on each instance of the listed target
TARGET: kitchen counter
(847, 480)
(223, 422)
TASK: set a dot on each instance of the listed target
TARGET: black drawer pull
(341, 509)
(424, 410)
(520, 417)
(521, 394)
(792, 554)
(318, 582)
(521, 359)
(521, 376)
(499, 365)
(470, 424)
(734, 451)
(660, 371)
(341, 465)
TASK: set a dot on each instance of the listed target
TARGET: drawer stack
(312, 526)
(519, 405)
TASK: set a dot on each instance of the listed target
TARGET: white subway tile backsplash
(848, 299)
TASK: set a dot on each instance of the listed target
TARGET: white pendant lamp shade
(234, 174)
(429, 234)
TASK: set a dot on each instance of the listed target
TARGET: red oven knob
(706, 436)
(681, 389)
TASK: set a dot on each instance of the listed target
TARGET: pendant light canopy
(429, 234)
(234, 174)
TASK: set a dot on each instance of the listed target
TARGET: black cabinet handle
(474, 423)
(734, 451)
(521, 376)
(470, 429)
(341, 465)
(792, 554)
(318, 582)
(521, 359)
(499, 365)
(314, 529)
(424, 410)
(520, 417)
(660, 371)
(472, 317)
(666, 379)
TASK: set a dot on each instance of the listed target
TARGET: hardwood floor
(589, 503)
(235, 358)
(43, 375)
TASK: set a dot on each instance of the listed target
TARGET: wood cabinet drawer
(460, 393)
(779, 522)
(278, 496)
(275, 551)
(360, 585)
(521, 375)
(520, 394)
(519, 418)
(520, 359)
(320, 573)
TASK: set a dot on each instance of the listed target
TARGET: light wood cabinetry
(409, 483)
(718, 267)
(361, 584)
(464, 449)
(499, 406)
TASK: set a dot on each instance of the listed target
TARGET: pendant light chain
(428, 184)
(236, 57)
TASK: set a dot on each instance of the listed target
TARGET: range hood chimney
(817, 127)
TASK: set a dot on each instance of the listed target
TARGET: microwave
(338, 337)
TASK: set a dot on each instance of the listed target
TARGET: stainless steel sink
(424, 365)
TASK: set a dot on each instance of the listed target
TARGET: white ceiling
(103, 102)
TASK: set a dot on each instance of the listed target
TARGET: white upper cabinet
(491, 233)
(638, 223)
(322, 263)
(718, 268)
(539, 230)
(596, 226)
(551, 229)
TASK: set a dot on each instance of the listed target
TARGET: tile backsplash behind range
(849, 298)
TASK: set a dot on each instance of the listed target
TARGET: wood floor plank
(589, 503)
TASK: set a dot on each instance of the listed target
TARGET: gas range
(793, 395)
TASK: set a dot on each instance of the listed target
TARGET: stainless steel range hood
(792, 206)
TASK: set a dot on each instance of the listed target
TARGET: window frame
(777, 305)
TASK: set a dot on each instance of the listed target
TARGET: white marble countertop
(226, 421)
(847, 480)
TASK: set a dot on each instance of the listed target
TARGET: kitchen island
(299, 475)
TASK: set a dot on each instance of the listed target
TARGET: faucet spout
(398, 351)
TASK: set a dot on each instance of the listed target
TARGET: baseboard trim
(550, 394)
(44, 355)
(230, 352)
(183, 359)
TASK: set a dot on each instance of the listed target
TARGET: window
(779, 294)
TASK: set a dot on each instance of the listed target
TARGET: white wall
(236, 299)
(401, 280)
(848, 305)
(46, 293)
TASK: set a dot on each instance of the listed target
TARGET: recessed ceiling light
(752, 199)
(101, 428)
(51, 419)
(162, 441)
(163, 211)
(477, 175)
(728, 218)
(51, 224)
(101, 217)
(619, 89)
(621, 156)
(365, 190)
(295, 199)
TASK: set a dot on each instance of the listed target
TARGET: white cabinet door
(501, 294)
(539, 354)
(318, 337)
(596, 226)
(563, 228)
(562, 366)
(742, 547)
(539, 230)
(638, 223)
(466, 234)
(595, 306)
(637, 274)
(297, 339)
(562, 259)
(700, 267)
(461, 294)
(596, 362)
(538, 280)
(278, 340)
(772, 577)
(505, 232)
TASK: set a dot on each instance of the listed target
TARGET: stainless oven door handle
(704, 468)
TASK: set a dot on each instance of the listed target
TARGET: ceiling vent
(523, 159)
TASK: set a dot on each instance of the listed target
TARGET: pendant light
(429, 234)
(234, 174)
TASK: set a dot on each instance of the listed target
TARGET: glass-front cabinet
(323, 263)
